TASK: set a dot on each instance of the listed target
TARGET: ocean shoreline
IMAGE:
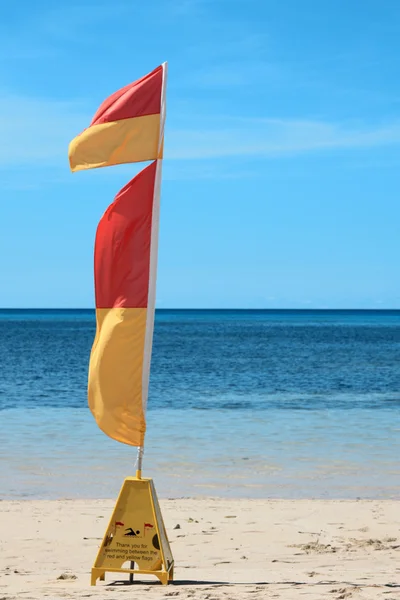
(261, 404)
(205, 497)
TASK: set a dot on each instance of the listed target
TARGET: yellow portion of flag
(116, 142)
(116, 374)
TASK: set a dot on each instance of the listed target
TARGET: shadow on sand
(195, 582)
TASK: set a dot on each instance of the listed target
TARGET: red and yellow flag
(128, 127)
(125, 276)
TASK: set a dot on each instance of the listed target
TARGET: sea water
(280, 404)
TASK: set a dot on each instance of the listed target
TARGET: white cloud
(274, 138)
(38, 131)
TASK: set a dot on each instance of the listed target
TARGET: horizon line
(208, 308)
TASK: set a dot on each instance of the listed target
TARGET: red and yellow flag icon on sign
(128, 127)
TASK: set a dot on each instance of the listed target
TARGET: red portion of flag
(122, 248)
(138, 99)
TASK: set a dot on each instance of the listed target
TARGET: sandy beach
(222, 548)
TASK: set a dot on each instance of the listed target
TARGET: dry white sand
(223, 549)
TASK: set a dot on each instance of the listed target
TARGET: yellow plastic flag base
(136, 534)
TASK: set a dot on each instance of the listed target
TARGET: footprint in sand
(67, 576)
(315, 547)
(343, 593)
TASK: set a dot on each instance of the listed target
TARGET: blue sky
(282, 155)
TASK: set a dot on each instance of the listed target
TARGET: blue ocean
(246, 403)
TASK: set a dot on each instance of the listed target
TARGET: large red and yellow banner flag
(125, 265)
(128, 127)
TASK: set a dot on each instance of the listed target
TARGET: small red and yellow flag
(126, 128)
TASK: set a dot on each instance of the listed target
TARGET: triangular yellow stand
(135, 534)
